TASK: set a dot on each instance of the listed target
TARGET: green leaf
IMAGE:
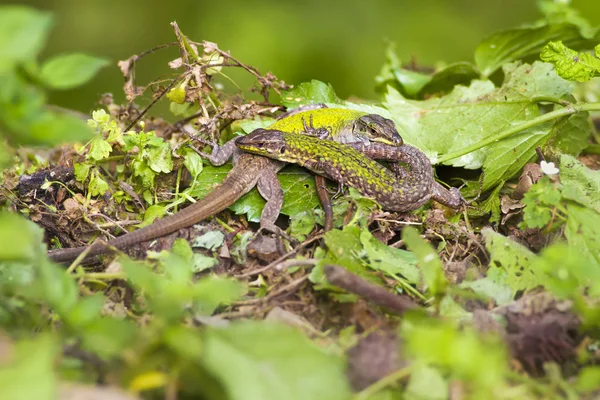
(426, 383)
(471, 114)
(491, 205)
(185, 341)
(583, 232)
(313, 92)
(212, 291)
(201, 262)
(23, 31)
(99, 148)
(298, 189)
(539, 202)
(524, 44)
(21, 239)
(153, 212)
(580, 184)
(565, 272)
(445, 79)
(55, 288)
(571, 65)
(572, 136)
(81, 171)
(262, 361)
(70, 70)
(33, 361)
(210, 240)
(491, 287)
(302, 224)
(389, 260)
(177, 93)
(86, 310)
(510, 262)
(192, 161)
(344, 248)
(587, 380)
(462, 354)
(97, 185)
(430, 263)
(108, 337)
(159, 158)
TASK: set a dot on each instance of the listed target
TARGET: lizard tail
(238, 182)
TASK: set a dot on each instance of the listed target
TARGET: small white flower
(548, 168)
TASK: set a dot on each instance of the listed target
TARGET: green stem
(563, 112)
(381, 384)
(592, 149)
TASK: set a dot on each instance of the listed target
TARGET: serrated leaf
(471, 114)
(99, 148)
(565, 272)
(580, 183)
(491, 287)
(97, 185)
(159, 158)
(571, 65)
(440, 343)
(261, 361)
(81, 171)
(539, 202)
(70, 70)
(572, 136)
(524, 44)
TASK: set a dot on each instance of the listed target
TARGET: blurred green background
(339, 41)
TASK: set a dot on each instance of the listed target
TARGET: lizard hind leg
(448, 197)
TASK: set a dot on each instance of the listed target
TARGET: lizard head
(375, 128)
(264, 142)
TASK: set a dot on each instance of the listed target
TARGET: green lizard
(344, 125)
(354, 165)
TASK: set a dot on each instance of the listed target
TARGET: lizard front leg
(220, 154)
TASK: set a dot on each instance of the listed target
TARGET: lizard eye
(282, 150)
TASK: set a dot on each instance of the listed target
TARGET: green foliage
(464, 355)
(431, 266)
(70, 70)
(541, 202)
(510, 263)
(256, 360)
(157, 325)
(571, 65)
(33, 361)
(470, 115)
(24, 116)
